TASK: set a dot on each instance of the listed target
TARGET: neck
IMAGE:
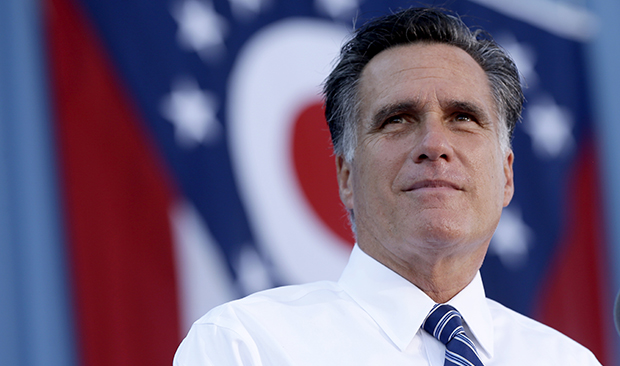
(440, 276)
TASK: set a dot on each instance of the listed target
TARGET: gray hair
(416, 25)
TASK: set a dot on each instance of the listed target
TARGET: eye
(464, 117)
(395, 120)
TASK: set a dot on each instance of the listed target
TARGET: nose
(433, 142)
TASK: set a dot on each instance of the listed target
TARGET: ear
(344, 174)
(509, 186)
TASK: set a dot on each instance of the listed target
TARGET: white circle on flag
(277, 75)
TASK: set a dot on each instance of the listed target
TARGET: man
(421, 112)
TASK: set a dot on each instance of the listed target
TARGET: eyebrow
(410, 106)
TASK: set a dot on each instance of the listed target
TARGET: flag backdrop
(180, 159)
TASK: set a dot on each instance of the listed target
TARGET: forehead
(424, 72)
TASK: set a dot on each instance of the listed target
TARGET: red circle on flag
(315, 169)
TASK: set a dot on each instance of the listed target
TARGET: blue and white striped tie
(445, 323)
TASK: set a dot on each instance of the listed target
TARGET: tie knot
(444, 322)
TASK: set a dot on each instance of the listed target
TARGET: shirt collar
(400, 308)
(471, 302)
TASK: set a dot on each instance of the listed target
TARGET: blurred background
(160, 157)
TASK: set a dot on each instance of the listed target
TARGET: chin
(442, 232)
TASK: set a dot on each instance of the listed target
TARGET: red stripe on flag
(116, 202)
(573, 297)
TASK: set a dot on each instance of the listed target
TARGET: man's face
(428, 174)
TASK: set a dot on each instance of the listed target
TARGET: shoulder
(274, 302)
(511, 327)
(503, 316)
(249, 331)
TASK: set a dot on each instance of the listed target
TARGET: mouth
(434, 184)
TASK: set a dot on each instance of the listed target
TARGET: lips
(433, 184)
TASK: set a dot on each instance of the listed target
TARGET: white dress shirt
(371, 316)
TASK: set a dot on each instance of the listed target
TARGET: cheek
(376, 158)
(494, 181)
(376, 171)
(487, 174)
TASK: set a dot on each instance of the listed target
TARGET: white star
(524, 56)
(511, 239)
(337, 9)
(247, 9)
(192, 112)
(549, 127)
(201, 29)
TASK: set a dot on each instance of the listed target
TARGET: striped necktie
(445, 323)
